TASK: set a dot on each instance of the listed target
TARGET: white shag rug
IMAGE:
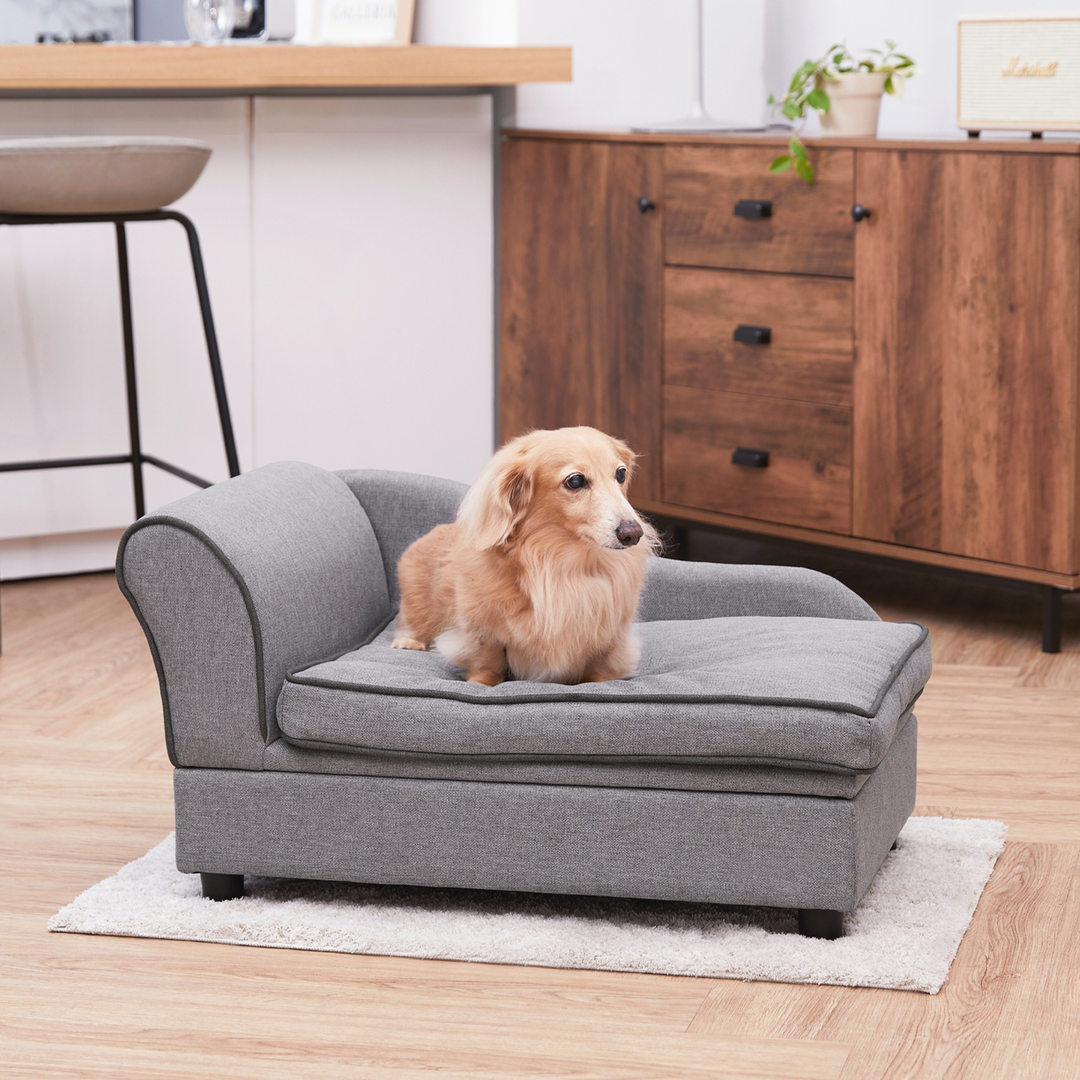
(903, 936)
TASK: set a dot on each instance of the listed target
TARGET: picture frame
(363, 22)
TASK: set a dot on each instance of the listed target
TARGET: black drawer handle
(860, 212)
(753, 208)
(645, 205)
(754, 459)
(753, 335)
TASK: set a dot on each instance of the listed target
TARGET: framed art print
(364, 22)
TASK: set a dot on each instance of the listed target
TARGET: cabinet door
(581, 285)
(966, 289)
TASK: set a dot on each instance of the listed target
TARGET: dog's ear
(627, 456)
(497, 502)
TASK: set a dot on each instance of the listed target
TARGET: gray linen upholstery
(682, 775)
(781, 850)
(97, 174)
(683, 590)
(307, 582)
(402, 507)
(791, 691)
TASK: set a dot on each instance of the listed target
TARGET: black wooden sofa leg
(819, 923)
(1051, 619)
(223, 886)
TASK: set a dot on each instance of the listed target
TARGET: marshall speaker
(1019, 73)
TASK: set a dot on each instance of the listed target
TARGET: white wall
(466, 22)
(633, 61)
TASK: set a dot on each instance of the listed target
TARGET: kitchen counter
(130, 68)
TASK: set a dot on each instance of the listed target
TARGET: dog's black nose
(628, 533)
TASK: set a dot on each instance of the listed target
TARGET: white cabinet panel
(373, 282)
(61, 350)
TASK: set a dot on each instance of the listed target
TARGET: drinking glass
(209, 21)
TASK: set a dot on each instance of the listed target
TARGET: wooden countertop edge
(999, 144)
(132, 66)
(866, 547)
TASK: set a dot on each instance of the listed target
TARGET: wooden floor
(86, 788)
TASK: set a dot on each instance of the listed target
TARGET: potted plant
(846, 90)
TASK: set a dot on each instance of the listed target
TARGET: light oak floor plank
(85, 786)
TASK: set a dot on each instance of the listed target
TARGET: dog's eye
(620, 474)
(575, 482)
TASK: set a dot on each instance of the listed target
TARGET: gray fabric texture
(794, 691)
(97, 174)
(402, 507)
(891, 800)
(203, 646)
(683, 590)
(303, 556)
(579, 772)
(780, 850)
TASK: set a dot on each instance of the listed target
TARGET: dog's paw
(409, 643)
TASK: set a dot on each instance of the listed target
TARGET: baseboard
(61, 553)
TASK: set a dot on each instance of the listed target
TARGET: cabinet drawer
(806, 482)
(809, 230)
(808, 355)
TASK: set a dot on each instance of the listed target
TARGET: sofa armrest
(686, 590)
(240, 583)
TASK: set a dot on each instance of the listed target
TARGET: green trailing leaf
(808, 90)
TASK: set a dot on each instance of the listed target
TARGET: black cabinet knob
(753, 335)
(645, 205)
(860, 212)
(753, 208)
(753, 459)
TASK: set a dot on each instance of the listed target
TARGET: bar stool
(60, 181)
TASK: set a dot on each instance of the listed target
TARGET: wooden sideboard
(885, 361)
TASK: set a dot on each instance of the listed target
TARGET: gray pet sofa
(764, 754)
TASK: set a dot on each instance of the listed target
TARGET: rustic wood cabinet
(901, 380)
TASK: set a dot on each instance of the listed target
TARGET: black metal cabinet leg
(222, 886)
(129, 371)
(1051, 619)
(211, 342)
(820, 923)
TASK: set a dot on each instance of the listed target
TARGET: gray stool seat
(97, 175)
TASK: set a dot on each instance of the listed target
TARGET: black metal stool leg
(1051, 619)
(211, 343)
(129, 371)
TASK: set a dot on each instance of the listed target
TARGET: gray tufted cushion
(97, 175)
(797, 692)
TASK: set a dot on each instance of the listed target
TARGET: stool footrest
(111, 459)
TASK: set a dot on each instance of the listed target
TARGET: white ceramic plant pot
(854, 104)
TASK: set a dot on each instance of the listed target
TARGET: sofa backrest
(402, 507)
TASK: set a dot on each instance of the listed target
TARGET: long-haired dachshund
(541, 573)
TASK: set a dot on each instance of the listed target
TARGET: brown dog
(542, 570)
